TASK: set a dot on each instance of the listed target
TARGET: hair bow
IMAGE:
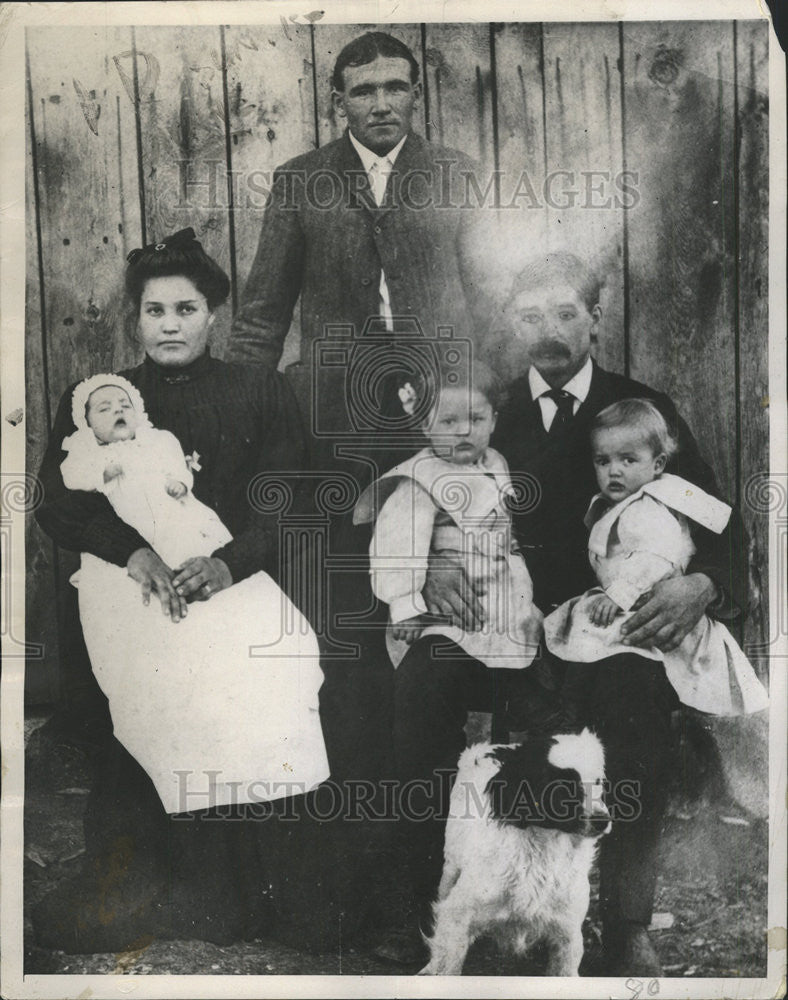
(182, 240)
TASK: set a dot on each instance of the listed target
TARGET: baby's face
(459, 427)
(110, 414)
(623, 461)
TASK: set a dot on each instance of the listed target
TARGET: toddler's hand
(602, 610)
(176, 489)
(408, 630)
(112, 471)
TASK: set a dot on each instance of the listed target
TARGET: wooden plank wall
(133, 133)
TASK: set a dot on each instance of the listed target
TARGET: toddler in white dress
(640, 534)
(451, 499)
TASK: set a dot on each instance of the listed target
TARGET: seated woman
(214, 702)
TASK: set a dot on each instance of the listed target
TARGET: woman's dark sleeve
(277, 489)
(80, 520)
(722, 557)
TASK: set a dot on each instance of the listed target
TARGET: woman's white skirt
(220, 708)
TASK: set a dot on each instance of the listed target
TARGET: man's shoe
(629, 952)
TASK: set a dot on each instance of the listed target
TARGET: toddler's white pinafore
(427, 504)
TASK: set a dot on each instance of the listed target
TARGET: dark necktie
(565, 402)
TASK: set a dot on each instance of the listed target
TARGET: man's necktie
(565, 402)
(378, 179)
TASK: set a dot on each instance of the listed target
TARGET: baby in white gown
(141, 470)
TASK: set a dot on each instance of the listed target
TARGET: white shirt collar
(368, 158)
(578, 386)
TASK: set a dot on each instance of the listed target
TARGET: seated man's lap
(627, 700)
(628, 697)
(435, 686)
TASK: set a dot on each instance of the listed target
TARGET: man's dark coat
(324, 239)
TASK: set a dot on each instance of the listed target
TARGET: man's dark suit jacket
(553, 535)
(324, 238)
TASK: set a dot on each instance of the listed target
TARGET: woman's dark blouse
(242, 422)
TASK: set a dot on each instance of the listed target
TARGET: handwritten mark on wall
(91, 109)
(147, 84)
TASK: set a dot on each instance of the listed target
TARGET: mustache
(552, 347)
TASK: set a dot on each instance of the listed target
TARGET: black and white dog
(520, 839)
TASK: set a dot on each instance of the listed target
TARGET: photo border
(14, 17)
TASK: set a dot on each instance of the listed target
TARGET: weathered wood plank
(330, 39)
(679, 138)
(42, 666)
(459, 84)
(87, 174)
(753, 165)
(519, 95)
(182, 114)
(460, 93)
(521, 152)
(83, 114)
(272, 119)
(583, 142)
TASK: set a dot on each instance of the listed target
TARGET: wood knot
(665, 65)
(436, 58)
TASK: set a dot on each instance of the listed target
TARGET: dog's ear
(512, 800)
(530, 790)
(515, 791)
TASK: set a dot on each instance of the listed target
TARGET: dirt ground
(711, 902)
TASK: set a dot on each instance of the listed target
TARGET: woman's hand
(153, 574)
(201, 577)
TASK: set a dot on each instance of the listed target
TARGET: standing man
(377, 234)
(543, 432)
(379, 225)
